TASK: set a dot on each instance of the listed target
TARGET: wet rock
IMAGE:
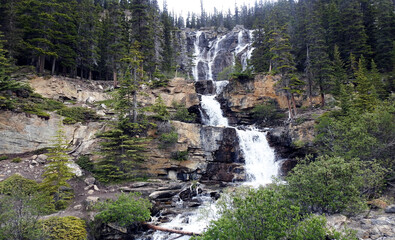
(390, 209)
(166, 194)
(205, 87)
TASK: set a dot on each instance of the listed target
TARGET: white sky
(185, 6)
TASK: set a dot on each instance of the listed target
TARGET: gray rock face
(214, 50)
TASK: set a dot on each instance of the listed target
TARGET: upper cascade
(215, 50)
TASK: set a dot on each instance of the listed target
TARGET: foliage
(21, 204)
(77, 114)
(182, 114)
(160, 110)
(180, 155)
(121, 155)
(226, 73)
(67, 228)
(85, 163)
(128, 209)
(56, 171)
(266, 112)
(168, 139)
(366, 136)
(334, 185)
(3, 158)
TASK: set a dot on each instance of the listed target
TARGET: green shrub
(266, 112)
(226, 73)
(51, 105)
(126, 210)
(77, 114)
(179, 155)
(16, 160)
(160, 110)
(182, 114)
(32, 108)
(266, 213)
(333, 185)
(168, 139)
(18, 183)
(65, 228)
(3, 158)
(85, 163)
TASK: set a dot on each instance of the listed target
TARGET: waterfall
(213, 51)
(259, 157)
(198, 56)
(260, 165)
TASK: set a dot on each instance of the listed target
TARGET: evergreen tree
(56, 171)
(339, 73)
(88, 36)
(366, 97)
(123, 148)
(385, 33)
(354, 38)
(316, 46)
(143, 32)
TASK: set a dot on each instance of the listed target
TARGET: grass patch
(16, 160)
(3, 158)
(77, 114)
(180, 155)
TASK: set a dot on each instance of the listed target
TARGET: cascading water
(260, 165)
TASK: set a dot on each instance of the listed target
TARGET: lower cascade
(260, 168)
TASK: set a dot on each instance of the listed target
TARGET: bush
(77, 114)
(182, 114)
(160, 110)
(168, 139)
(266, 213)
(266, 112)
(64, 228)
(179, 155)
(333, 185)
(126, 210)
(3, 158)
(85, 163)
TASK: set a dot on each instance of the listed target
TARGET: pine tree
(320, 64)
(6, 83)
(123, 148)
(56, 171)
(366, 97)
(339, 73)
(354, 38)
(385, 34)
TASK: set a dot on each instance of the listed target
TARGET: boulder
(390, 209)
(205, 87)
(166, 194)
(90, 180)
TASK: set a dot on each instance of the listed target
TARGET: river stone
(42, 158)
(390, 209)
(167, 194)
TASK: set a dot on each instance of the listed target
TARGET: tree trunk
(114, 75)
(53, 66)
(322, 99)
(135, 95)
(157, 228)
(90, 74)
(289, 107)
(294, 104)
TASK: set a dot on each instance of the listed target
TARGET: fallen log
(157, 228)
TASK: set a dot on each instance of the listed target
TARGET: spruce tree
(339, 73)
(57, 172)
(366, 98)
(123, 147)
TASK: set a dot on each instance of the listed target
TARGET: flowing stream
(260, 164)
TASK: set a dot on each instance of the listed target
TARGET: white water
(211, 62)
(260, 165)
(198, 56)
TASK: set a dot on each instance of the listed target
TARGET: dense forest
(339, 51)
